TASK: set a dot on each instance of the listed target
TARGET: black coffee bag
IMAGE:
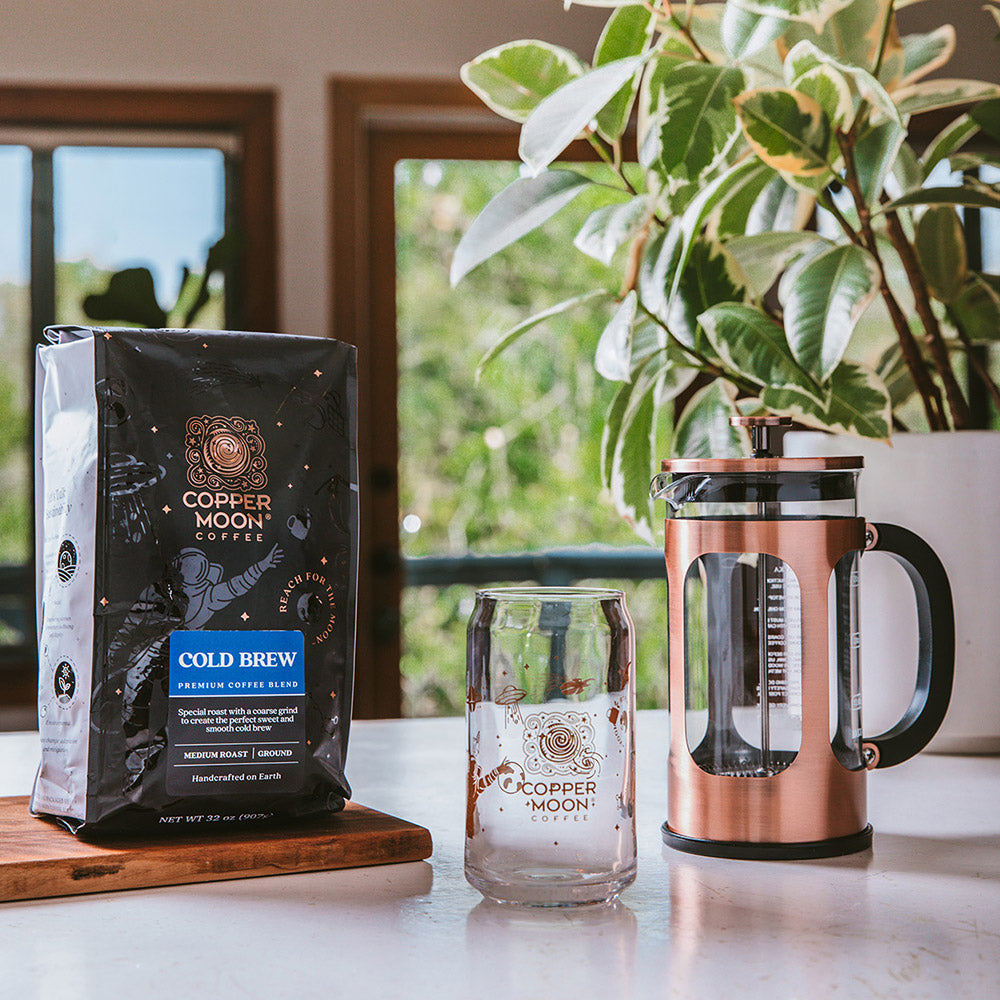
(196, 544)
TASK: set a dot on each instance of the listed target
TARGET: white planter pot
(946, 488)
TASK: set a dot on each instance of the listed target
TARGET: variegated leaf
(754, 345)
(857, 403)
(713, 196)
(814, 13)
(971, 193)
(513, 79)
(609, 227)
(627, 33)
(518, 209)
(710, 277)
(787, 130)
(922, 54)
(745, 33)
(824, 295)
(563, 115)
(516, 332)
(853, 36)
(613, 358)
(828, 88)
(693, 125)
(932, 94)
(948, 141)
(765, 256)
(875, 152)
(704, 430)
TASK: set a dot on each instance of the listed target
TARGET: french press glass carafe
(767, 757)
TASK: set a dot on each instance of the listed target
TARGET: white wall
(294, 46)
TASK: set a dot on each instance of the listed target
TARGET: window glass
(125, 207)
(512, 462)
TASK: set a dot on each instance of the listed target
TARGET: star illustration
(166, 508)
(317, 373)
(104, 602)
(155, 430)
(245, 616)
(323, 560)
(107, 336)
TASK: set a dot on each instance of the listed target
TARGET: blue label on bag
(229, 664)
(236, 718)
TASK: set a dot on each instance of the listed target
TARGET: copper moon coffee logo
(225, 453)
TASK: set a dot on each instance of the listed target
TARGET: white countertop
(918, 916)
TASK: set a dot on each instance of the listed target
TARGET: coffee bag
(196, 545)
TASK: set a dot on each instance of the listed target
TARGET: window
(96, 181)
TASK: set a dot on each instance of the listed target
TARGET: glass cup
(550, 807)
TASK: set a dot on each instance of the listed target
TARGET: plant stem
(612, 161)
(930, 395)
(960, 415)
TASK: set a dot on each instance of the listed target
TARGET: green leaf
(607, 228)
(764, 256)
(824, 295)
(627, 33)
(948, 141)
(924, 53)
(627, 447)
(875, 154)
(514, 212)
(987, 117)
(745, 33)
(805, 53)
(713, 196)
(940, 246)
(977, 310)
(704, 430)
(828, 88)
(852, 35)
(930, 95)
(129, 298)
(515, 332)
(787, 130)
(971, 193)
(710, 277)
(814, 13)
(512, 79)
(754, 345)
(857, 403)
(563, 115)
(693, 122)
(656, 271)
(613, 358)
(895, 375)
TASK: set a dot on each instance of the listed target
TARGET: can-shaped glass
(550, 707)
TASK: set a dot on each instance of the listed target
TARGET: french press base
(767, 757)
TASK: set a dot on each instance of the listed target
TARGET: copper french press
(767, 756)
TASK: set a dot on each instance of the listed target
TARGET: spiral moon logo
(225, 453)
(560, 743)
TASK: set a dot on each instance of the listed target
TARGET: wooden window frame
(374, 124)
(247, 114)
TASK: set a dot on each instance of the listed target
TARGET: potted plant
(779, 238)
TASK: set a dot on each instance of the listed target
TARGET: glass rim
(529, 593)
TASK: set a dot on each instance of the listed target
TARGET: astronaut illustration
(189, 594)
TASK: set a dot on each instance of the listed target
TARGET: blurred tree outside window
(511, 463)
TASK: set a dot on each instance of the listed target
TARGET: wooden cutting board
(38, 858)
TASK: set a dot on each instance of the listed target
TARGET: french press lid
(763, 478)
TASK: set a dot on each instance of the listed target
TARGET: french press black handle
(935, 650)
